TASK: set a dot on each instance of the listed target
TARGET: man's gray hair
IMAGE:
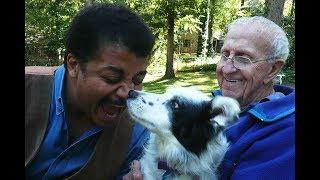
(278, 39)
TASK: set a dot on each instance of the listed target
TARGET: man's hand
(135, 172)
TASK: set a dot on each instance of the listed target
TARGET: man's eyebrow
(112, 68)
(238, 50)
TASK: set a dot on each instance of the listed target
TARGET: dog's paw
(224, 110)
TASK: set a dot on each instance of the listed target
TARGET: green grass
(205, 81)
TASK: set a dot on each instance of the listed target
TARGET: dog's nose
(132, 94)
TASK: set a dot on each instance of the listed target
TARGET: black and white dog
(186, 131)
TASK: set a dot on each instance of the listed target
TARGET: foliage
(157, 13)
(186, 57)
(187, 24)
(222, 13)
(255, 8)
(225, 12)
(46, 23)
(204, 67)
(288, 23)
(289, 78)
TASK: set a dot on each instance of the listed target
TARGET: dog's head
(186, 113)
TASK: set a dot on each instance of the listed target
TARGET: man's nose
(124, 89)
(229, 67)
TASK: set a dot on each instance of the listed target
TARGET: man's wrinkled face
(102, 88)
(247, 84)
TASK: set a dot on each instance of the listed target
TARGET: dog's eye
(175, 104)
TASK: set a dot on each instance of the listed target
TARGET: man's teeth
(231, 80)
(109, 115)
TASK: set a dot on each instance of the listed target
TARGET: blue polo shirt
(262, 141)
(59, 156)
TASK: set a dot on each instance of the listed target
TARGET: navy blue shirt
(262, 140)
(59, 156)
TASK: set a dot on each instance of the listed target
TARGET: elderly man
(263, 140)
(75, 119)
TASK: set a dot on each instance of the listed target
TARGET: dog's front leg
(149, 162)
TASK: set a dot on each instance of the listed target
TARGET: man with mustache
(76, 125)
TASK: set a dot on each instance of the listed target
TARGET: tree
(275, 10)
(222, 12)
(170, 40)
(242, 2)
(206, 32)
(161, 16)
(46, 23)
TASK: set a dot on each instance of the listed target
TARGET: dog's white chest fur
(186, 131)
(185, 164)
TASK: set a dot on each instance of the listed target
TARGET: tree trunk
(275, 10)
(170, 46)
(210, 41)
(242, 2)
(206, 32)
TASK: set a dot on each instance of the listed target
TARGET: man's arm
(272, 156)
(135, 172)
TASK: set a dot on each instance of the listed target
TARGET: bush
(288, 23)
(186, 57)
(205, 67)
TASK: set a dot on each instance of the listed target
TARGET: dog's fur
(186, 131)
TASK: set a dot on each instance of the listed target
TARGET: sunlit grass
(205, 81)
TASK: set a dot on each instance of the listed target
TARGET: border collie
(186, 131)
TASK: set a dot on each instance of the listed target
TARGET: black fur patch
(191, 123)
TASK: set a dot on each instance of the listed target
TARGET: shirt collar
(273, 107)
(58, 89)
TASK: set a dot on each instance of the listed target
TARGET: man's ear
(72, 65)
(274, 70)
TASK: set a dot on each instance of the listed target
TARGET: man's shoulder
(250, 129)
(276, 108)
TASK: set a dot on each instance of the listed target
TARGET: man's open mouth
(110, 111)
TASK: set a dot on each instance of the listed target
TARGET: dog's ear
(224, 110)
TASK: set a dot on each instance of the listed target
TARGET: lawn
(205, 80)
